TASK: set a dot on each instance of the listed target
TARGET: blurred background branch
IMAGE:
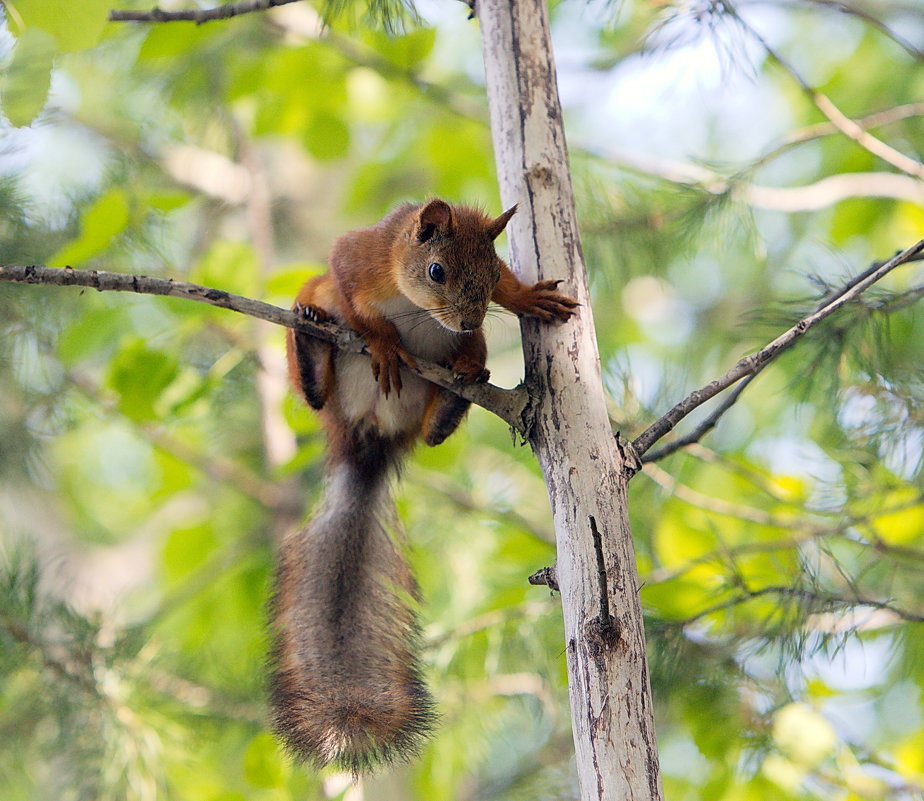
(197, 15)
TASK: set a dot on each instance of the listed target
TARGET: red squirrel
(346, 684)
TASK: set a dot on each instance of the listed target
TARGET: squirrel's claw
(549, 305)
(386, 366)
(469, 371)
(314, 314)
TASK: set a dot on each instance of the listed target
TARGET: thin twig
(864, 138)
(754, 476)
(817, 195)
(703, 428)
(508, 404)
(829, 191)
(899, 301)
(546, 576)
(467, 500)
(841, 121)
(662, 575)
(829, 601)
(197, 15)
(809, 133)
(198, 697)
(806, 532)
(753, 364)
(685, 172)
(869, 19)
(453, 101)
(715, 505)
(23, 636)
(488, 620)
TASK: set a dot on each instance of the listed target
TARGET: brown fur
(346, 686)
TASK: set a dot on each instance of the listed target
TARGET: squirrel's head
(448, 265)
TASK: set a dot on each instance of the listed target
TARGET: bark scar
(602, 632)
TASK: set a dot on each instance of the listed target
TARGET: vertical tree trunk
(584, 468)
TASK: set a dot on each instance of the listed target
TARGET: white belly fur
(360, 398)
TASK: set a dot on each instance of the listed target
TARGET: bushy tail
(346, 685)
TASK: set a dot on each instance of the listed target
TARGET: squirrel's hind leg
(442, 416)
(445, 409)
(311, 361)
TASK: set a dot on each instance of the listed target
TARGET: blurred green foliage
(149, 455)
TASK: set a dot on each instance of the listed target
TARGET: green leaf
(904, 525)
(94, 330)
(327, 137)
(912, 657)
(282, 106)
(405, 51)
(139, 375)
(167, 42)
(262, 765)
(101, 223)
(75, 26)
(26, 83)
(287, 279)
(186, 550)
(168, 201)
(231, 266)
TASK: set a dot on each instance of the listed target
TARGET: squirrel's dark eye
(437, 273)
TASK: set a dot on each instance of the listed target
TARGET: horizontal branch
(718, 506)
(831, 190)
(449, 489)
(511, 405)
(449, 98)
(753, 364)
(197, 15)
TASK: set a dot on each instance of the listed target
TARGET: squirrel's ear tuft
(496, 226)
(435, 217)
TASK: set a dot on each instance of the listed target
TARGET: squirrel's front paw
(387, 358)
(469, 371)
(546, 303)
(313, 313)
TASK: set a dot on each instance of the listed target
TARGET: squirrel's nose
(469, 325)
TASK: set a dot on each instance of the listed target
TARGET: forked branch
(753, 364)
(836, 117)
